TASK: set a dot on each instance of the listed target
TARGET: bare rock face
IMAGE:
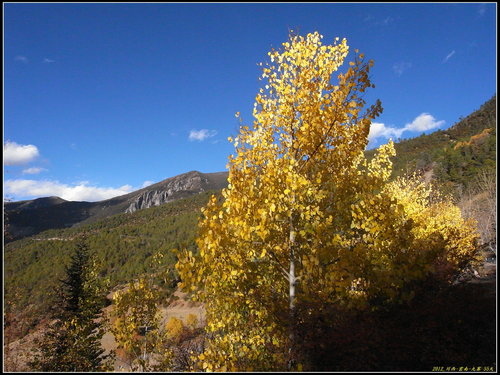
(148, 199)
(169, 190)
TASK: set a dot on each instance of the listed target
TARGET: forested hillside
(124, 245)
(457, 155)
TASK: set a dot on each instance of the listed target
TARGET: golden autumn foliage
(306, 218)
(174, 328)
(192, 321)
(136, 309)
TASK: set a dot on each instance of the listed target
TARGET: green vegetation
(72, 341)
(456, 155)
(124, 245)
(461, 164)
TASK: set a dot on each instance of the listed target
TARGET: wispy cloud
(372, 21)
(386, 21)
(448, 56)
(81, 191)
(400, 67)
(33, 170)
(481, 10)
(15, 154)
(367, 18)
(201, 135)
(22, 59)
(48, 61)
(147, 183)
(421, 123)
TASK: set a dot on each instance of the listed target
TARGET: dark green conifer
(72, 341)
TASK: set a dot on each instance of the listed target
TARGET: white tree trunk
(292, 281)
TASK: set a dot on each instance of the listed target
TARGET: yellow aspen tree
(135, 319)
(136, 309)
(305, 217)
(174, 329)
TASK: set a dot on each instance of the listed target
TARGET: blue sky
(103, 99)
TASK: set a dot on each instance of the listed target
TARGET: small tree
(136, 322)
(136, 319)
(72, 341)
(175, 328)
(306, 219)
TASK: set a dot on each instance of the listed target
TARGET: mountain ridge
(30, 217)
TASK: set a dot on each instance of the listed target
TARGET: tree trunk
(292, 281)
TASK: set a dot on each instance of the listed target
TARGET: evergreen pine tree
(72, 342)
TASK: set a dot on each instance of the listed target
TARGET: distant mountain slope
(27, 218)
(124, 245)
(35, 203)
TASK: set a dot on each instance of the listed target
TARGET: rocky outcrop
(172, 189)
(149, 199)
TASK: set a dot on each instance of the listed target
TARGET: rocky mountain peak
(171, 189)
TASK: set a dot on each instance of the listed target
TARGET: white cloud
(33, 170)
(372, 21)
(79, 192)
(368, 18)
(423, 122)
(147, 183)
(14, 154)
(201, 135)
(48, 61)
(22, 59)
(377, 129)
(448, 56)
(400, 67)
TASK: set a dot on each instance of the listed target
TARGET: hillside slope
(124, 245)
(26, 218)
(456, 155)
